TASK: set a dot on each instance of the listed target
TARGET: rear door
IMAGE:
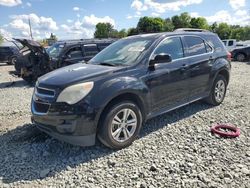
(4, 53)
(200, 59)
(90, 50)
(169, 82)
(73, 55)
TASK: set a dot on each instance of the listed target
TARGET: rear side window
(231, 43)
(75, 52)
(102, 46)
(215, 42)
(4, 49)
(196, 45)
(90, 49)
(171, 46)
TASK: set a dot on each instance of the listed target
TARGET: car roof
(165, 34)
(85, 41)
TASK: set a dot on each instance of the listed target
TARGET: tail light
(229, 56)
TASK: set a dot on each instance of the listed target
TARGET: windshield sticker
(136, 49)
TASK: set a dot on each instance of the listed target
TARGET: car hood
(69, 75)
(32, 45)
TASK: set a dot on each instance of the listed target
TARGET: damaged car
(34, 60)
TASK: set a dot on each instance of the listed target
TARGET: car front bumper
(76, 129)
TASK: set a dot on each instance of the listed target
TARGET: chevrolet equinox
(130, 81)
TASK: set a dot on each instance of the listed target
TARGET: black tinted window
(215, 42)
(172, 46)
(4, 49)
(231, 43)
(90, 50)
(196, 45)
(102, 46)
(75, 53)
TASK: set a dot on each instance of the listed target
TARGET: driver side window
(171, 46)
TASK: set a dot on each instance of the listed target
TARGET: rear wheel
(240, 57)
(121, 125)
(218, 91)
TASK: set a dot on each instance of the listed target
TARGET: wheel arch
(225, 74)
(127, 96)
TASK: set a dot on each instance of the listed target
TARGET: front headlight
(75, 93)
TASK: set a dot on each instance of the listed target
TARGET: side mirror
(160, 58)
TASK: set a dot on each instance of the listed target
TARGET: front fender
(115, 87)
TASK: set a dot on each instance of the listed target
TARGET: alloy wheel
(123, 125)
(219, 92)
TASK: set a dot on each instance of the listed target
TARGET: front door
(169, 82)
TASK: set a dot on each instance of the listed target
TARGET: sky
(74, 19)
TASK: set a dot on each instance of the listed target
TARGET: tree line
(156, 24)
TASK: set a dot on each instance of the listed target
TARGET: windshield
(122, 52)
(55, 50)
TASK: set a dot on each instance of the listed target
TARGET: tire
(217, 91)
(28, 79)
(12, 60)
(113, 128)
(241, 57)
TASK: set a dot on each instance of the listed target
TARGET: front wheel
(121, 125)
(12, 61)
(218, 91)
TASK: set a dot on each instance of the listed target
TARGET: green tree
(169, 26)
(182, 21)
(53, 37)
(150, 25)
(104, 30)
(213, 27)
(132, 31)
(224, 31)
(122, 33)
(237, 32)
(246, 35)
(200, 23)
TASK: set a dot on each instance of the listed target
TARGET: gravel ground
(174, 150)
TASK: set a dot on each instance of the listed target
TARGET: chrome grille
(44, 92)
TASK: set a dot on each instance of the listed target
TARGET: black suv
(8, 54)
(132, 80)
(36, 60)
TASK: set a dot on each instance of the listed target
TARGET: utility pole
(30, 30)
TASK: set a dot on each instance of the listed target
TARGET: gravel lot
(174, 150)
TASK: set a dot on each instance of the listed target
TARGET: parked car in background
(232, 44)
(35, 60)
(8, 54)
(241, 54)
(132, 80)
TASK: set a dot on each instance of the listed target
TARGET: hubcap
(13, 61)
(219, 91)
(240, 57)
(123, 125)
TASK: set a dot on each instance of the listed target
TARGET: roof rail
(87, 40)
(191, 30)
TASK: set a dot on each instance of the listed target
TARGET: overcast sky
(77, 18)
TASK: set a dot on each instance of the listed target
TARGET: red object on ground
(235, 132)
